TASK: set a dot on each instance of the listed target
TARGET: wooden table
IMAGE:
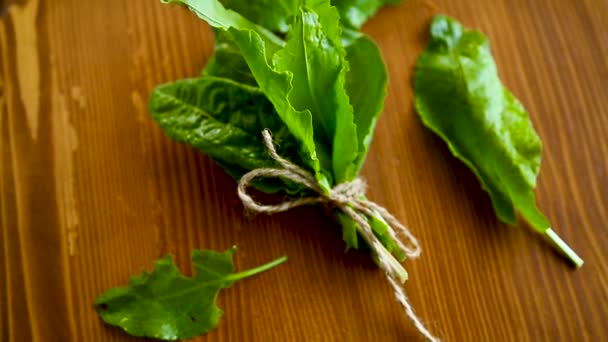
(92, 191)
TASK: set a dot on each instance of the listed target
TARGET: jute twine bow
(348, 197)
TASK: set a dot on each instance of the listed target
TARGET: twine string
(349, 197)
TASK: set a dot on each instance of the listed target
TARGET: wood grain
(91, 191)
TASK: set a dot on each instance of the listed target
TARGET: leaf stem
(563, 247)
(251, 272)
(397, 270)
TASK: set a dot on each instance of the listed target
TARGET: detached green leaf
(460, 97)
(167, 305)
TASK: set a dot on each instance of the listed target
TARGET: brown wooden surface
(92, 191)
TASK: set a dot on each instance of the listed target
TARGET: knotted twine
(348, 197)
